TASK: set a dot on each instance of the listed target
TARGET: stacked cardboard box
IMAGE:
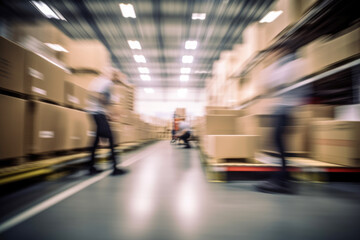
(336, 142)
(12, 127)
(28, 73)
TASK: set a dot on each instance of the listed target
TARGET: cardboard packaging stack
(336, 142)
(219, 136)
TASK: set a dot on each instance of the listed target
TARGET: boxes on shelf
(81, 79)
(75, 96)
(45, 124)
(230, 146)
(336, 142)
(326, 51)
(12, 127)
(237, 113)
(87, 54)
(28, 73)
(75, 129)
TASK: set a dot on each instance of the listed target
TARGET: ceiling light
(271, 16)
(127, 10)
(47, 11)
(190, 44)
(140, 58)
(185, 70)
(149, 90)
(187, 59)
(184, 78)
(198, 16)
(201, 72)
(134, 44)
(182, 92)
(143, 70)
(145, 77)
(56, 47)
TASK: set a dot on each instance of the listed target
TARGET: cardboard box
(90, 130)
(237, 113)
(26, 72)
(75, 129)
(45, 124)
(81, 79)
(87, 54)
(324, 51)
(12, 125)
(11, 66)
(294, 139)
(304, 115)
(117, 131)
(220, 124)
(75, 96)
(337, 142)
(230, 146)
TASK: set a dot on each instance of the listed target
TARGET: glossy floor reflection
(166, 196)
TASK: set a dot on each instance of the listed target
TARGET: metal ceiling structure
(161, 26)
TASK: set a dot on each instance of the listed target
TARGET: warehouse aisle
(166, 196)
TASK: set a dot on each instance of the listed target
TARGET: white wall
(163, 102)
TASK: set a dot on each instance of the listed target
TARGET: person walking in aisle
(184, 133)
(99, 101)
(279, 181)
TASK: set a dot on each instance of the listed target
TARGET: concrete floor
(166, 196)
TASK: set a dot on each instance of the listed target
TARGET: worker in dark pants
(279, 181)
(287, 101)
(99, 101)
(184, 133)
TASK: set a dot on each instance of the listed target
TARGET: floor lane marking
(69, 192)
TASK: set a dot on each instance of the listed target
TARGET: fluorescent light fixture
(184, 78)
(145, 77)
(143, 70)
(190, 44)
(271, 16)
(134, 44)
(198, 16)
(140, 58)
(127, 10)
(56, 47)
(47, 11)
(185, 70)
(182, 92)
(201, 72)
(149, 90)
(187, 59)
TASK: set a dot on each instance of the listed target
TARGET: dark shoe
(93, 171)
(119, 171)
(187, 146)
(274, 187)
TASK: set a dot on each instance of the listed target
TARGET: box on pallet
(336, 142)
(180, 112)
(44, 129)
(12, 127)
(220, 124)
(28, 73)
(230, 146)
(81, 79)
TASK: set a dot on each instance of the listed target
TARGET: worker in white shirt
(99, 101)
(184, 132)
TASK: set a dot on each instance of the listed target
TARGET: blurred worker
(99, 101)
(279, 182)
(184, 132)
(174, 136)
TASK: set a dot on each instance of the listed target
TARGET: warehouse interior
(228, 119)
